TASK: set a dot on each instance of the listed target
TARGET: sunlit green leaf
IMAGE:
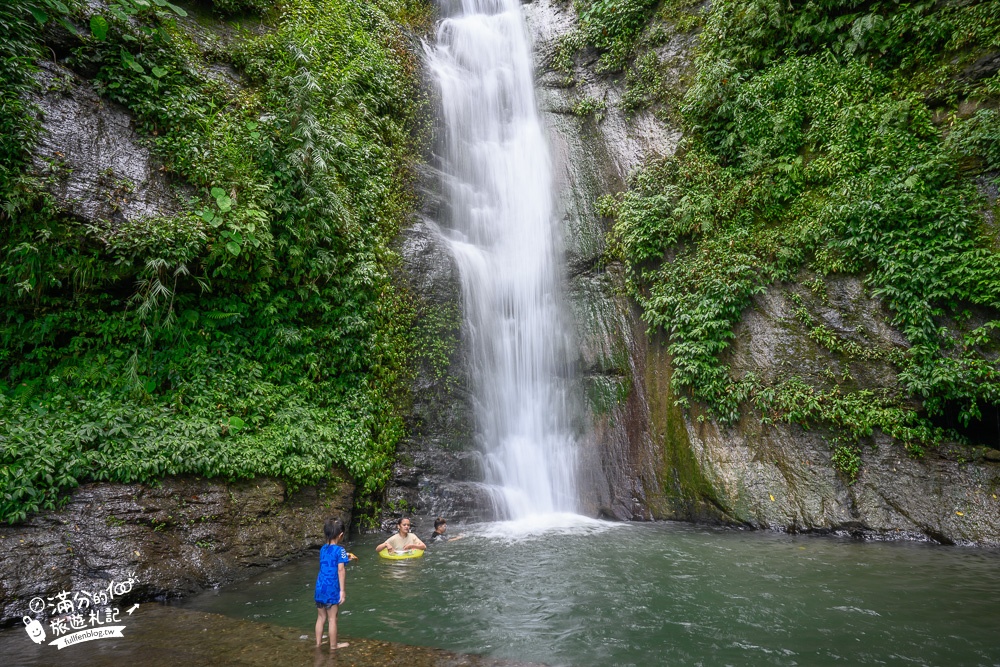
(177, 10)
(99, 27)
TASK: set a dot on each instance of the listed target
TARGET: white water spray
(497, 182)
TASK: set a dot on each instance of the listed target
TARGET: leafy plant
(613, 26)
(588, 106)
(255, 332)
(815, 141)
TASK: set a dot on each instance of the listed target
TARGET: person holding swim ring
(403, 540)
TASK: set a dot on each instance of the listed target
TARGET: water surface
(595, 593)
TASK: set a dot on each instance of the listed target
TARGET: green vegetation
(256, 331)
(613, 27)
(438, 327)
(627, 34)
(827, 137)
(238, 6)
(589, 106)
(622, 29)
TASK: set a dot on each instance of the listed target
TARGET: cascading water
(496, 178)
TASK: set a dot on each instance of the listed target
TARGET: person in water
(403, 540)
(330, 582)
(440, 527)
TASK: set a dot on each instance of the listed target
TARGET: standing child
(330, 589)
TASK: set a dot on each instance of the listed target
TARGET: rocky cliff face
(437, 467)
(644, 458)
(97, 165)
(654, 460)
(781, 476)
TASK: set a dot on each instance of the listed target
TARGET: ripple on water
(581, 593)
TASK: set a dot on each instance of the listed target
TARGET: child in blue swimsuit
(330, 592)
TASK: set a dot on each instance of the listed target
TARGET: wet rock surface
(95, 164)
(176, 538)
(782, 476)
(157, 635)
(627, 138)
(437, 467)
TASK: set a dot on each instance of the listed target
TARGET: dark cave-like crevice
(982, 431)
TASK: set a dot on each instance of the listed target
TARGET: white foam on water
(543, 525)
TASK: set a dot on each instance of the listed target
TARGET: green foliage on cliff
(619, 29)
(835, 137)
(17, 30)
(238, 6)
(256, 331)
(612, 26)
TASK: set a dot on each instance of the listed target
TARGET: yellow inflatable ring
(401, 555)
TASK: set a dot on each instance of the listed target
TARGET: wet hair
(333, 528)
(401, 519)
(438, 522)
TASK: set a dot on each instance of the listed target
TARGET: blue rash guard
(328, 581)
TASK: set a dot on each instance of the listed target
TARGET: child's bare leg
(332, 617)
(321, 616)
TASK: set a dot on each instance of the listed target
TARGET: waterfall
(497, 182)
